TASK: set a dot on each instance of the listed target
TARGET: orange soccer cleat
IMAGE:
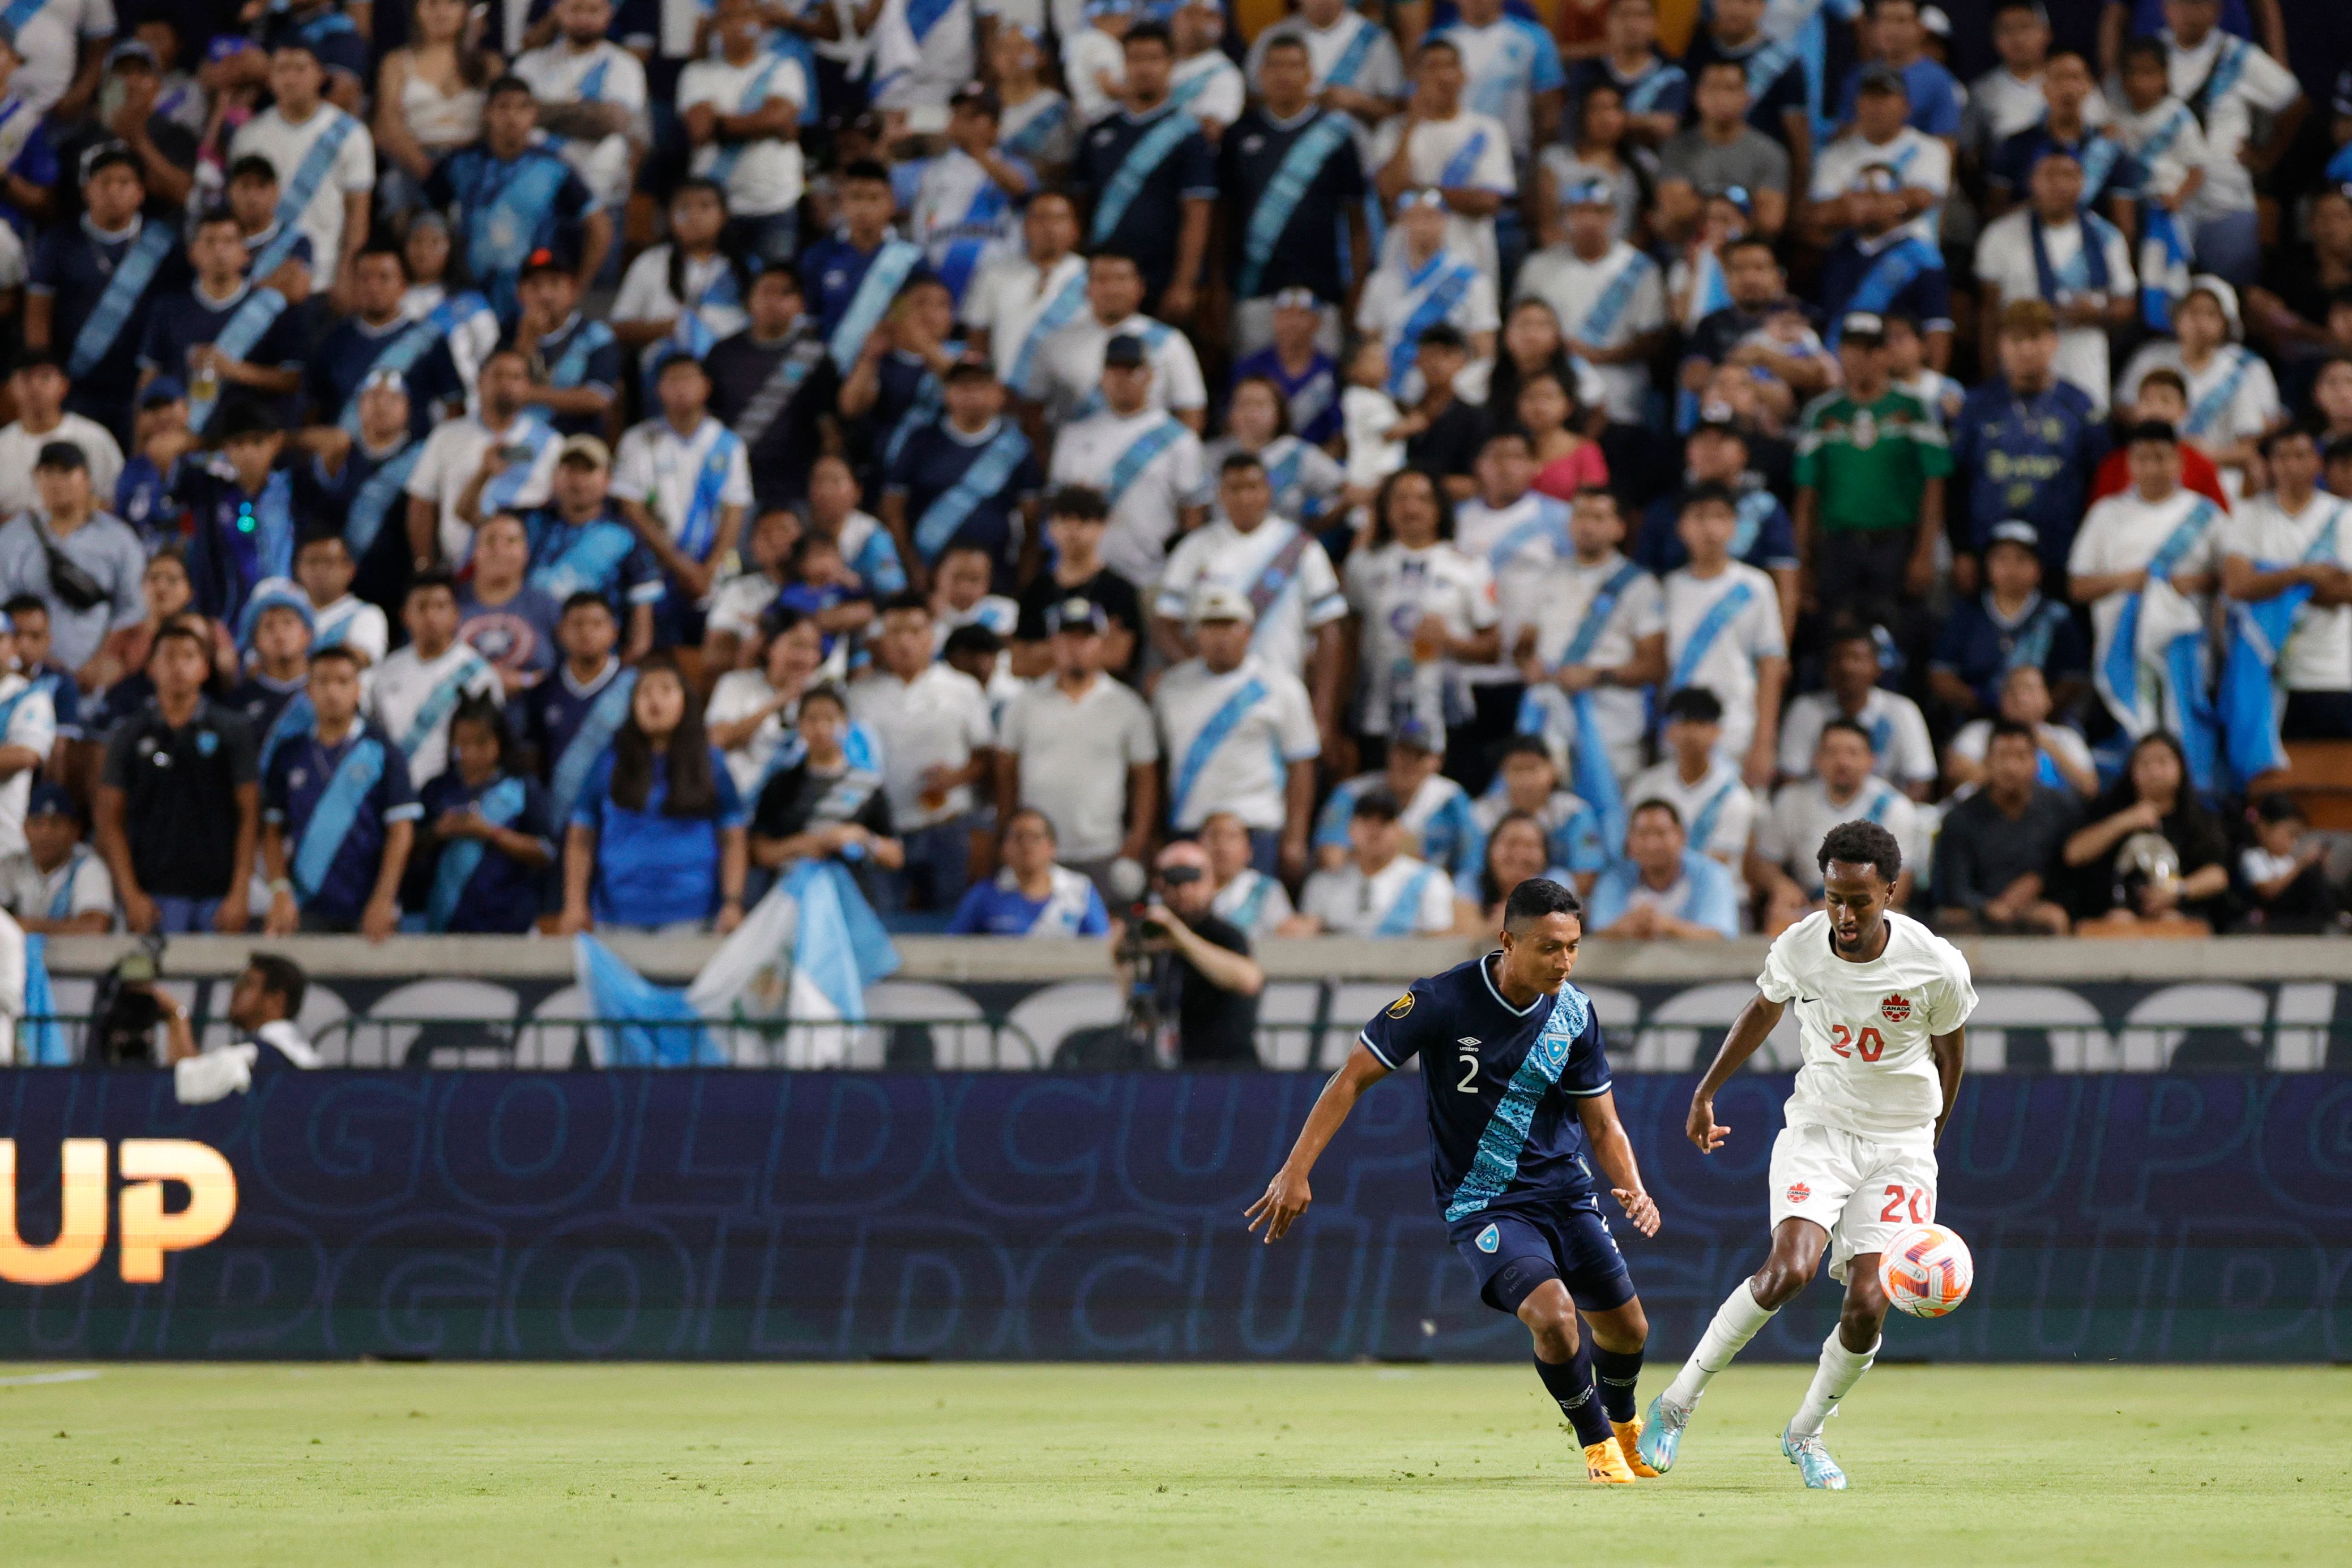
(1604, 1464)
(1629, 1434)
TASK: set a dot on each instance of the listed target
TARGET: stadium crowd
(555, 466)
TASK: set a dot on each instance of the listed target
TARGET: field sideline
(1038, 1465)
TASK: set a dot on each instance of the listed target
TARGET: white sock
(1737, 1322)
(1840, 1369)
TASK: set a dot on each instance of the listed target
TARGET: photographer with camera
(261, 1010)
(1194, 986)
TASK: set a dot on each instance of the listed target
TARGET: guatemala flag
(804, 958)
(41, 1043)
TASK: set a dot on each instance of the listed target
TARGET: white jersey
(2165, 139)
(1352, 52)
(1868, 1067)
(1570, 597)
(77, 885)
(1720, 651)
(1010, 299)
(353, 622)
(2317, 656)
(1802, 814)
(1254, 903)
(912, 69)
(1278, 566)
(2000, 105)
(1043, 128)
(1523, 544)
(963, 219)
(1230, 741)
(604, 72)
(1898, 735)
(19, 447)
(1095, 67)
(2124, 533)
(1718, 812)
(1469, 152)
(351, 171)
(1401, 301)
(1148, 465)
(1921, 162)
(764, 176)
(2235, 397)
(1208, 87)
(1505, 64)
(2005, 259)
(1406, 897)
(27, 719)
(453, 456)
(413, 699)
(664, 471)
(1066, 370)
(2237, 81)
(1391, 589)
(710, 282)
(1608, 303)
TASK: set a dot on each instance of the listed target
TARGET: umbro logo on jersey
(1468, 1042)
(1895, 1009)
(1799, 1192)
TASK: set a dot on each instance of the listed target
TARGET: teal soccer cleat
(1662, 1434)
(1812, 1461)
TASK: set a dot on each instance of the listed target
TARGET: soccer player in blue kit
(1520, 1113)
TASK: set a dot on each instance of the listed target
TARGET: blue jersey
(1980, 647)
(1765, 537)
(65, 698)
(258, 700)
(2030, 458)
(332, 36)
(2107, 170)
(188, 319)
(1288, 208)
(654, 868)
(474, 888)
(505, 209)
(1139, 177)
(334, 804)
(831, 271)
(603, 555)
(966, 489)
(75, 265)
(1502, 1084)
(1902, 276)
(343, 357)
(514, 637)
(1313, 394)
(580, 353)
(998, 907)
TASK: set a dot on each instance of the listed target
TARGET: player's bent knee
(1623, 1328)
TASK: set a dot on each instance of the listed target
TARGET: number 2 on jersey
(1870, 1043)
(1921, 1210)
(1469, 1084)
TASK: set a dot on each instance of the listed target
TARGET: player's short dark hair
(343, 651)
(1079, 501)
(2147, 50)
(24, 604)
(582, 599)
(1846, 629)
(1293, 41)
(866, 170)
(1379, 804)
(974, 640)
(253, 166)
(1656, 803)
(909, 600)
(2010, 729)
(1862, 842)
(1148, 33)
(1850, 727)
(1236, 462)
(1537, 897)
(213, 216)
(1527, 745)
(1709, 494)
(507, 84)
(433, 578)
(1695, 704)
(826, 693)
(280, 976)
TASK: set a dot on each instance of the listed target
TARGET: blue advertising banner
(745, 1215)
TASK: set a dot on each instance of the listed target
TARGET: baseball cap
(61, 455)
(589, 448)
(2017, 531)
(1414, 735)
(980, 96)
(48, 799)
(1934, 22)
(1864, 324)
(543, 260)
(1126, 350)
(160, 391)
(1076, 614)
(130, 49)
(273, 594)
(1882, 78)
(1217, 602)
(1737, 195)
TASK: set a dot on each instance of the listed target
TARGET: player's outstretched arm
(1615, 1151)
(1748, 1031)
(1950, 1052)
(1286, 1196)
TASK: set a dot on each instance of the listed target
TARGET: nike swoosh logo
(1809, 1000)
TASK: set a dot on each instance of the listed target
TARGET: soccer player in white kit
(1881, 1005)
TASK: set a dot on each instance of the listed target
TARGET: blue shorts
(1513, 1251)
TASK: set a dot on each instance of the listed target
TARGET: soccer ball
(1925, 1270)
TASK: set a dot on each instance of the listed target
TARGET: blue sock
(1570, 1383)
(1615, 1372)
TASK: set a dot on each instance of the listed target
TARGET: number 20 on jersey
(1870, 1045)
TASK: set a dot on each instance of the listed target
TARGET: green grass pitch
(1041, 1466)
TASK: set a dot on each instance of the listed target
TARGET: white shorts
(1859, 1191)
